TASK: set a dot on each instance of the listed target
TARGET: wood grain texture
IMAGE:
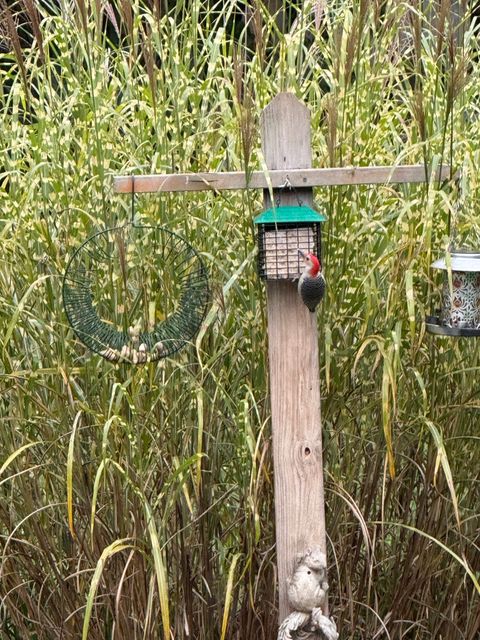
(294, 369)
(298, 177)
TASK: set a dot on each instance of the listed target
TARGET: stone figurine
(307, 589)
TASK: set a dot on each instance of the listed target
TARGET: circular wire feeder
(135, 294)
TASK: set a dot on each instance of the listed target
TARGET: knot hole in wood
(307, 452)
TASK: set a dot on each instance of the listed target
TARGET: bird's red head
(314, 264)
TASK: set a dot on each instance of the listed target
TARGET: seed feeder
(135, 293)
(460, 311)
(282, 232)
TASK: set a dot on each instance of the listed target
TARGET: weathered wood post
(293, 364)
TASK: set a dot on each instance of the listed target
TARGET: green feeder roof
(279, 215)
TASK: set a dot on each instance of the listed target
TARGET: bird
(307, 588)
(311, 285)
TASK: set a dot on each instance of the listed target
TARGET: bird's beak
(301, 253)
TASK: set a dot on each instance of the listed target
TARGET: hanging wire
(459, 203)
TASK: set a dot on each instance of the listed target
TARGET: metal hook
(287, 185)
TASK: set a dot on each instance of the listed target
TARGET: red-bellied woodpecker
(311, 285)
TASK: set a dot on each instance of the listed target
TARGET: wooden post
(293, 365)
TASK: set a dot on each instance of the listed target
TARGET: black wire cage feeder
(281, 232)
(135, 294)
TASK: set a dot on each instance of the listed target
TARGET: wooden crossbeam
(276, 178)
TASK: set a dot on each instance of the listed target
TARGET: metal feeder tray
(125, 273)
(434, 325)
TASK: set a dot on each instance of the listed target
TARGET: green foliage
(139, 500)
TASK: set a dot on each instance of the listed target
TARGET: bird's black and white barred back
(311, 285)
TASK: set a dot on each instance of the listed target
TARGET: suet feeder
(460, 311)
(282, 231)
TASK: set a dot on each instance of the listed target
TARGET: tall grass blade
(228, 596)
(69, 482)
(15, 454)
(160, 571)
(442, 460)
(108, 552)
(20, 307)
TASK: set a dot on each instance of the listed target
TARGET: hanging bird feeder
(282, 232)
(135, 294)
(460, 311)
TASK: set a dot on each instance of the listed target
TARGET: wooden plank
(296, 177)
(293, 367)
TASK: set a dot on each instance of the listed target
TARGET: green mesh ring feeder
(135, 293)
